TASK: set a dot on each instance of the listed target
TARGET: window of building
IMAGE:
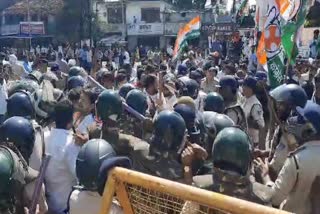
(115, 15)
(150, 15)
(13, 19)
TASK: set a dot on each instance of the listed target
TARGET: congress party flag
(190, 31)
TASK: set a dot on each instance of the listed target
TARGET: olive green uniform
(235, 185)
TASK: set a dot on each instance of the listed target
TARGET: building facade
(145, 23)
(41, 15)
(111, 16)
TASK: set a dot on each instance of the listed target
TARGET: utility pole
(90, 21)
(29, 24)
(81, 23)
(123, 20)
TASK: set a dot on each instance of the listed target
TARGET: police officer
(219, 122)
(262, 93)
(232, 159)
(76, 71)
(20, 104)
(252, 109)
(17, 133)
(161, 158)
(190, 87)
(298, 181)
(35, 76)
(12, 175)
(43, 105)
(137, 100)
(125, 89)
(22, 85)
(213, 123)
(75, 82)
(286, 98)
(192, 124)
(228, 89)
(214, 102)
(108, 111)
(95, 159)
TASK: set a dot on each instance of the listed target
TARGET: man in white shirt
(126, 56)
(3, 95)
(60, 175)
(314, 45)
(63, 65)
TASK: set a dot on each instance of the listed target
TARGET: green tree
(188, 4)
(313, 18)
(73, 20)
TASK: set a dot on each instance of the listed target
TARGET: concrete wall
(134, 9)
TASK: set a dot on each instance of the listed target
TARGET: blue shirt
(27, 67)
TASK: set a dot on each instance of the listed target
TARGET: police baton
(39, 182)
(124, 105)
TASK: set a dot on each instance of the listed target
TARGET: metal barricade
(140, 193)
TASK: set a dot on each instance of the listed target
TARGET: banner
(273, 47)
(190, 31)
(293, 14)
(34, 28)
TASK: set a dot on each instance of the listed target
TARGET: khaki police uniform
(280, 149)
(199, 102)
(254, 114)
(293, 185)
(209, 86)
(236, 114)
(233, 184)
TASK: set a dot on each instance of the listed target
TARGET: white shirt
(86, 202)
(200, 101)
(314, 48)
(60, 175)
(89, 56)
(36, 156)
(3, 98)
(85, 123)
(127, 58)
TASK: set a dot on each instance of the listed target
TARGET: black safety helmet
(75, 82)
(232, 151)
(125, 89)
(75, 71)
(188, 87)
(214, 102)
(109, 104)
(19, 131)
(137, 100)
(169, 131)
(89, 160)
(20, 104)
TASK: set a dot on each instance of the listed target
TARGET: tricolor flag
(190, 31)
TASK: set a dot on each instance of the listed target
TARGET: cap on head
(250, 82)
(228, 81)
